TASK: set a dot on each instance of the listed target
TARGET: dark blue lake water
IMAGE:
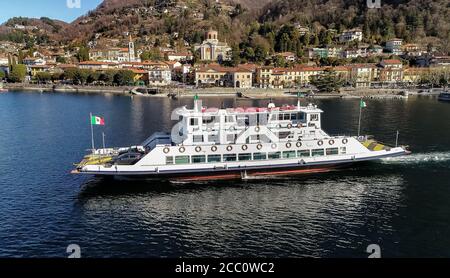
(402, 204)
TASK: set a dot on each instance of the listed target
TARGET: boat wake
(420, 158)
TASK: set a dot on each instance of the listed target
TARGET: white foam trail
(417, 158)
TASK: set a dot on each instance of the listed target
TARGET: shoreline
(254, 93)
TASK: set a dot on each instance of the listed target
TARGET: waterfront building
(391, 71)
(212, 49)
(362, 75)
(97, 65)
(215, 75)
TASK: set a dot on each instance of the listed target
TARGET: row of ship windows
(217, 158)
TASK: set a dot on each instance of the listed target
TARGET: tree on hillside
(83, 54)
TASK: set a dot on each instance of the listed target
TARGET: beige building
(212, 49)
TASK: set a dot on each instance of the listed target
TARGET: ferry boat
(444, 96)
(237, 143)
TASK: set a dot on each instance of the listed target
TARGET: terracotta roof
(392, 61)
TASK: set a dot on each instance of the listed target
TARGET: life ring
(344, 141)
(288, 145)
(331, 142)
(182, 149)
(198, 149)
(229, 148)
(244, 147)
(259, 146)
(214, 149)
(166, 150)
(274, 146)
(299, 144)
(320, 143)
(257, 129)
(289, 126)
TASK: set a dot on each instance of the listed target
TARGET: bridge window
(314, 117)
(182, 159)
(276, 155)
(198, 159)
(245, 156)
(214, 158)
(229, 157)
(304, 153)
(289, 154)
(317, 152)
(259, 156)
(332, 151)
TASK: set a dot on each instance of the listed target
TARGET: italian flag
(363, 104)
(97, 120)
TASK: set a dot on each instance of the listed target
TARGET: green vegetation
(328, 82)
(2, 75)
(18, 73)
(86, 77)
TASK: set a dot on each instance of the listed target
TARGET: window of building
(332, 151)
(194, 122)
(229, 157)
(198, 159)
(169, 160)
(275, 155)
(214, 158)
(245, 156)
(317, 152)
(259, 156)
(182, 159)
(304, 153)
(289, 154)
(197, 138)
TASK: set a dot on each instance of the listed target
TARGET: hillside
(247, 22)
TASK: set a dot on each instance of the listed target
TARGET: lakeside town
(345, 63)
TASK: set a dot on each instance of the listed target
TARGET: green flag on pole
(363, 104)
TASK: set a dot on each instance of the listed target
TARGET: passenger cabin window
(214, 158)
(245, 156)
(332, 151)
(169, 160)
(229, 157)
(289, 154)
(317, 152)
(304, 153)
(275, 155)
(208, 120)
(259, 156)
(182, 159)
(198, 159)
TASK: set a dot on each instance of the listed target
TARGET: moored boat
(233, 143)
